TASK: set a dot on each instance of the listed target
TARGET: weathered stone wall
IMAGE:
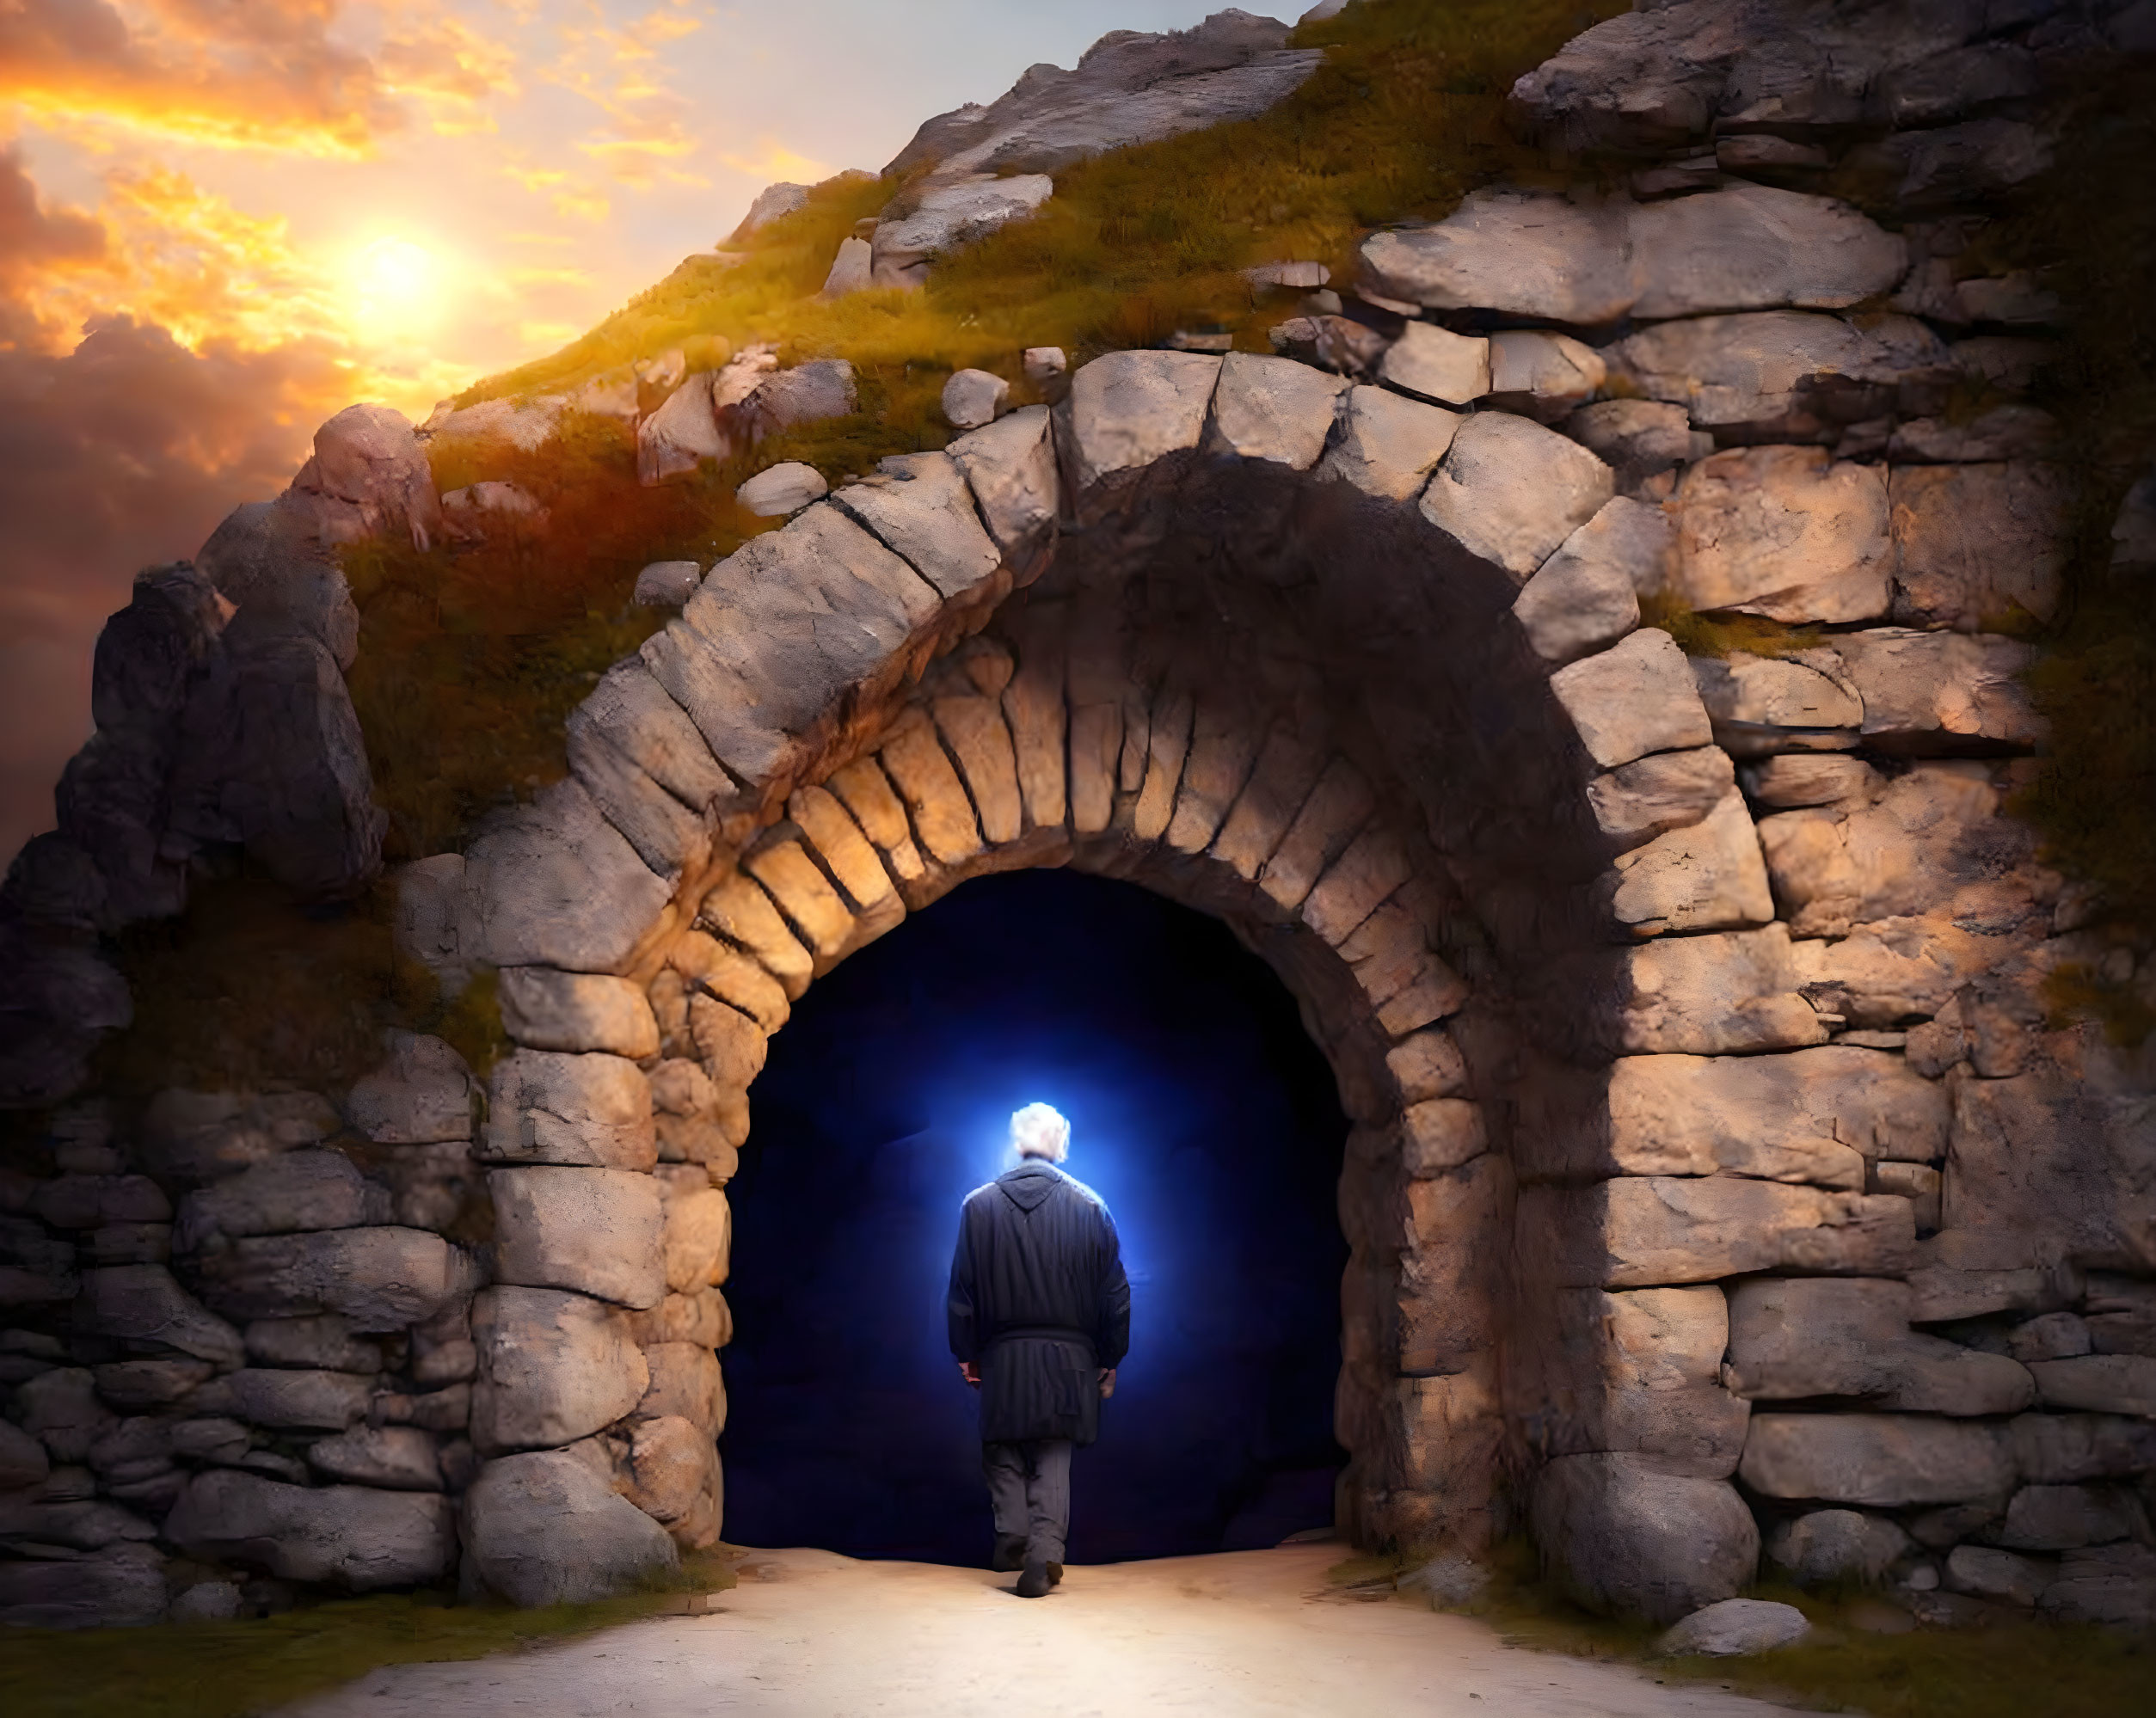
(1721, 1188)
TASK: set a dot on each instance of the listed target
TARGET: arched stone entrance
(1214, 628)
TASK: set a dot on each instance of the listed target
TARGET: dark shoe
(1035, 1582)
(1055, 1574)
(1010, 1554)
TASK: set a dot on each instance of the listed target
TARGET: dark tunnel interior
(1200, 1110)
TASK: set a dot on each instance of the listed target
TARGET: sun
(396, 287)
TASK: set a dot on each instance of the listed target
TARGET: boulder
(1128, 87)
(1830, 1546)
(594, 1230)
(371, 477)
(1523, 253)
(685, 1382)
(121, 1588)
(1883, 1460)
(548, 1528)
(423, 1095)
(1976, 546)
(974, 397)
(1624, 1538)
(681, 434)
(553, 1367)
(394, 1457)
(670, 1465)
(345, 1535)
(696, 1233)
(1433, 364)
(2102, 1384)
(918, 504)
(145, 1303)
(772, 492)
(576, 1110)
(1755, 247)
(1939, 691)
(783, 400)
(380, 1279)
(300, 1190)
(2064, 1517)
(316, 1400)
(1511, 491)
(947, 215)
(1774, 703)
(1789, 374)
(1645, 1232)
(1542, 374)
(852, 270)
(1632, 699)
(1387, 447)
(669, 584)
(270, 758)
(2056, 1448)
(1785, 533)
(1988, 1573)
(208, 1601)
(1010, 468)
(1734, 1628)
(274, 559)
(1129, 409)
(1270, 408)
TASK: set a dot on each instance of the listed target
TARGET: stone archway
(1361, 676)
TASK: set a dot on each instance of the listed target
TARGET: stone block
(553, 1367)
(1274, 409)
(1338, 804)
(1940, 690)
(1586, 597)
(1545, 373)
(1511, 491)
(1768, 373)
(806, 898)
(548, 1528)
(2059, 1449)
(944, 817)
(1010, 467)
(1796, 779)
(1637, 439)
(393, 1458)
(379, 1278)
(844, 849)
(740, 910)
(1794, 1338)
(1524, 254)
(1831, 1546)
(1708, 876)
(145, 1304)
(668, 836)
(2066, 1518)
(1987, 1573)
(732, 1044)
(1388, 446)
(685, 1381)
(974, 728)
(919, 507)
(1753, 247)
(698, 1230)
(584, 1112)
(1634, 698)
(553, 884)
(1435, 364)
(1734, 1628)
(1647, 1231)
(1625, 1539)
(323, 1401)
(1425, 1066)
(726, 973)
(669, 1463)
(2101, 1384)
(544, 1009)
(1639, 1373)
(782, 630)
(301, 1190)
(1663, 791)
(1768, 704)
(1224, 744)
(1731, 990)
(1130, 408)
(1286, 769)
(593, 1230)
(1884, 1461)
(702, 1319)
(423, 1095)
(1785, 533)
(205, 1136)
(1977, 546)
(2113, 1586)
(1167, 731)
(1372, 866)
(356, 1538)
(635, 714)
(122, 1587)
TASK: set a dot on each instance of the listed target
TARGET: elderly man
(1040, 1319)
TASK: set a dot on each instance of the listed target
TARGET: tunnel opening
(1201, 1111)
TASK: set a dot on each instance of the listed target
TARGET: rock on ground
(1627, 1538)
(1734, 1628)
(548, 1528)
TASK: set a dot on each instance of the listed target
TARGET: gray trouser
(1029, 1486)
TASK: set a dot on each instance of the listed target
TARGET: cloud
(773, 161)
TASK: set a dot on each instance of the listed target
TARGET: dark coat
(1039, 1301)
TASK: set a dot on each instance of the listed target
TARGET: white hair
(1040, 1131)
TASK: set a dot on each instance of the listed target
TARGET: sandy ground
(1250, 1633)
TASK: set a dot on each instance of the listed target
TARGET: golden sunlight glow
(396, 287)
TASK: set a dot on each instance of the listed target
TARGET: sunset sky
(221, 220)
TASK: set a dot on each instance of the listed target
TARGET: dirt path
(814, 1636)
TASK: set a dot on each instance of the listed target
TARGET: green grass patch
(1723, 635)
(232, 1670)
(2012, 1669)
